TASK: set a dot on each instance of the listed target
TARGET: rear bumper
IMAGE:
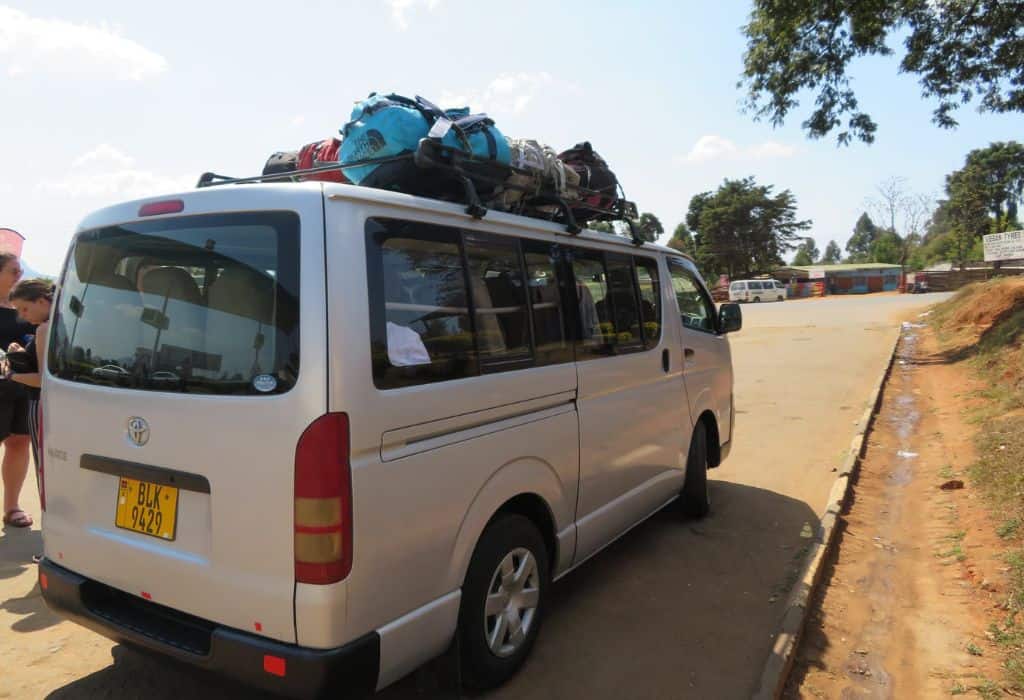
(346, 672)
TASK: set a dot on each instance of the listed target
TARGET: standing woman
(14, 430)
(33, 300)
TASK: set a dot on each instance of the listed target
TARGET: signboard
(10, 241)
(816, 273)
(1004, 246)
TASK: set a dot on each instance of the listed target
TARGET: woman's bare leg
(15, 469)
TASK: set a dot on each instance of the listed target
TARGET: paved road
(676, 609)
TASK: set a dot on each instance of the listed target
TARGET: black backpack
(598, 188)
(281, 162)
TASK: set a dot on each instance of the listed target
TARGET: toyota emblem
(138, 431)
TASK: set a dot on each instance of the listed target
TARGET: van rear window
(199, 304)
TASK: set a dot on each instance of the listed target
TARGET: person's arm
(34, 379)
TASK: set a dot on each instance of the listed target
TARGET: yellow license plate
(151, 509)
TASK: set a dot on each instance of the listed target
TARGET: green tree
(959, 49)
(833, 254)
(996, 173)
(743, 228)
(864, 234)
(807, 253)
(649, 226)
(682, 240)
(888, 247)
(602, 226)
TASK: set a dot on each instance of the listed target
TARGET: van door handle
(665, 360)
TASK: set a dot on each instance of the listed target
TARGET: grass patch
(989, 690)
(947, 472)
(1009, 529)
(973, 649)
(959, 689)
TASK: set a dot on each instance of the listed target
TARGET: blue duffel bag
(385, 132)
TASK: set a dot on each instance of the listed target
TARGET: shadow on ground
(676, 609)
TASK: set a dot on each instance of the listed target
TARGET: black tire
(757, 300)
(695, 499)
(482, 668)
(781, 299)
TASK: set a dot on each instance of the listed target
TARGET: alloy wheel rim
(510, 607)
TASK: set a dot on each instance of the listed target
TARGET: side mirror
(730, 318)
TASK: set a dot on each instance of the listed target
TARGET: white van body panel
(228, 563)
(624, 480)
(486, 439)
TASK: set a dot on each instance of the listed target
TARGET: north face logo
(366, 145)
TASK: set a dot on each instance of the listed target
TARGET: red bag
(318, 153)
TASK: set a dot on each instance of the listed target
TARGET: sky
(106, 101)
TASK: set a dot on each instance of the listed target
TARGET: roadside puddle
(865, 665)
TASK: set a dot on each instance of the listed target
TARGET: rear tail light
(323, 501)
(40, 459)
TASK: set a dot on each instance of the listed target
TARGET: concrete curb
(780, 662)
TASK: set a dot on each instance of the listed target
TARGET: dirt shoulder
(919, 580)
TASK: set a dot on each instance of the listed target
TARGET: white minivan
(348, 426)
(757, 290)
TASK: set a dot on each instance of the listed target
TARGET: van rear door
(176, 392)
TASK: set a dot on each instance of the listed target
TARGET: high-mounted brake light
(323, 501)
(167, 206)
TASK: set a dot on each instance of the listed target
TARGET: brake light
(167, 206)
(39, 458)
(323, 501)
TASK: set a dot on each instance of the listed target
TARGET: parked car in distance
(757, 290)
(111, 372)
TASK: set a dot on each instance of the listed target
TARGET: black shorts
(13, 417)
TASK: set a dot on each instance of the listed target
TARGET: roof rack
(469, 173)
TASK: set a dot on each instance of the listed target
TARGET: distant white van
(757, 290)
(302, 434)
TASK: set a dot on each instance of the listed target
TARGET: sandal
(17, 518)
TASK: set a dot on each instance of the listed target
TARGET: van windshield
(199, 304)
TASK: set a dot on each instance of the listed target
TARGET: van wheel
(780, 298)
(695, 498)
(757, 300)
(503, 600)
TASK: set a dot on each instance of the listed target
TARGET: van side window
(622, 295)
(696, 310)
(420, 325)
(593, 314)
(498, 291)
(551, 344)
(608, 312)
(650, 299)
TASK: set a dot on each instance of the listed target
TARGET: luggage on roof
(598, 187)
(318, 154)
(411, 145)
(381, 147)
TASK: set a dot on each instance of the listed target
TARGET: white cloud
(298, 120)
(509, 93)
(107, 172)
(771, 149)
(103, 154)
(34, 44)
(401, 9)
(714, 147)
